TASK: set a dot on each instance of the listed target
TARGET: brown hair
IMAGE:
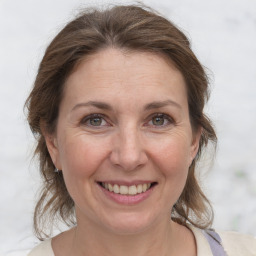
(132, 27)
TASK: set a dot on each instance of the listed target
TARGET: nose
(128, 152)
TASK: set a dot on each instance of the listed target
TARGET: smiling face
(124, 125)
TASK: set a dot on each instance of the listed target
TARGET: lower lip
(127, 199)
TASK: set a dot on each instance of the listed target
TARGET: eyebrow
(160, 104)
(97, 104)
(105, 106)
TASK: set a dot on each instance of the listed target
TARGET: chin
(127, 224)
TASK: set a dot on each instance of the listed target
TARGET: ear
(195, 143)
(52, 146)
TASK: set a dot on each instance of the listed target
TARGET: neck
(166, 238)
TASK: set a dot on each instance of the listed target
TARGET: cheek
(80, 156)
(173, 155)
(80, 159)
(173, 162)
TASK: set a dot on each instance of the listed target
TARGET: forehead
(113, 72)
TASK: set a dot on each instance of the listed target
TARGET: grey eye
(158, 120)
(95, 121)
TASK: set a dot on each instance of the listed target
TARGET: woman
(117, 109)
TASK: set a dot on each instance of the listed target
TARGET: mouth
(131, 190)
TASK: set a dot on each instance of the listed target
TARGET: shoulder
(43, 249)
(238, 244)
(233, 243)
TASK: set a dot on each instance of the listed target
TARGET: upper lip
(127, 183)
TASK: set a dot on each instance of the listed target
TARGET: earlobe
(195, 143)
(52, 146)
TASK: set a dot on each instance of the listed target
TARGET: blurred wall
(223, 35)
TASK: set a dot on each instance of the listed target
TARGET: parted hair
(132, 27)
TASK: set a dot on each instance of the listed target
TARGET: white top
(235, 244)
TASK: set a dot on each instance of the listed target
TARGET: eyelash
(89, 118)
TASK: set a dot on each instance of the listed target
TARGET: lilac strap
(214, 241)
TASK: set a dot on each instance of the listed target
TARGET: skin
(130, 140)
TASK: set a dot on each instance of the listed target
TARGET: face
(124, 125)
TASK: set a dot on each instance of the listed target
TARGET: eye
(160, 120)
(95, 120)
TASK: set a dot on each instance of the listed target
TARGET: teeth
(110, 187)
(132, 190)
(116, 189)
(124, 190)
(127, 190)
(139, 188)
